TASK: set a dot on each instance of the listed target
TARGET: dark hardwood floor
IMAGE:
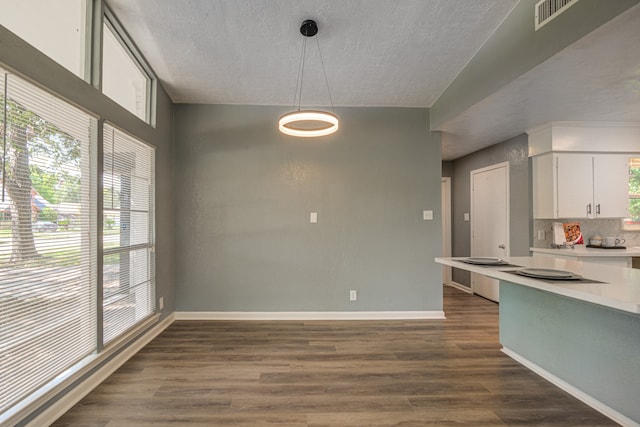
(374, 373)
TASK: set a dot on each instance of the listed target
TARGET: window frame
(626, 226)
(149, 245)
(89, 242)
(98, 16)
(111, 22)
(87, 24)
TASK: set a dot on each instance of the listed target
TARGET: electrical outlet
(313, 217)
(161, 303)
(540, 234)
(353, 295)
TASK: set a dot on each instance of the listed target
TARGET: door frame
(445, 183)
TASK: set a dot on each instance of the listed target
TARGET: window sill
(630, 227)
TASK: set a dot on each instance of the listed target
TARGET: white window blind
(128, 263)
(48, 245)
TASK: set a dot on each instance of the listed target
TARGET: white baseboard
(459, 286)
(575, 392)
(309, 315)
(62, 405)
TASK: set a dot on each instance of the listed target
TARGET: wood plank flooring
(347, 374)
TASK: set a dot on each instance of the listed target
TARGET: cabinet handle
(598, 209)
(589, 209)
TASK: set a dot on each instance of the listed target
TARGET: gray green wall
(244, 193)
(515, 151)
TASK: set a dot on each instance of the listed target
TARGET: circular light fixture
(308, 123)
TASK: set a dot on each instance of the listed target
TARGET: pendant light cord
(299, 76)
(304, 57)
(297, 97)
(325, 75)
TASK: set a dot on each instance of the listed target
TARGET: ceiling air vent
(546, 10)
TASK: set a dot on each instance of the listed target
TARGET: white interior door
(489, 222)
(446, 227)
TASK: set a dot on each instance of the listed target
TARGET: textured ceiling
(376, 52)
(596, 79)
(396, 53)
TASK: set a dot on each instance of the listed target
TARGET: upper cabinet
(574, 186)
(611, 185)
(581, 170)
(569, 137)
(579, 185)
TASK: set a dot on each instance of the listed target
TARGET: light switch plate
(466, 216)
(313, 217)
(427, 215)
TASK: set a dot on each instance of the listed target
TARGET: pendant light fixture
(308, 123)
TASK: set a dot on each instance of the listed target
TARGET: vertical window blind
(48, 246)
(128, 232)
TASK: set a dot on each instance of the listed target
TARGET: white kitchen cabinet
(611, 186)
(574, 185)
(580, 185)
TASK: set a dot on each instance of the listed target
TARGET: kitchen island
(584, 336)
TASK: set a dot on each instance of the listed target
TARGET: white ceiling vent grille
(546, 10)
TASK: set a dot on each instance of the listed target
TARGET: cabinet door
(544, 188)
(611, 185)
(575, 185)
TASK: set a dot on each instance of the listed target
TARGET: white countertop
(582, 251)
(621, 290)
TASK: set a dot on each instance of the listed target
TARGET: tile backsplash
(589, 227)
